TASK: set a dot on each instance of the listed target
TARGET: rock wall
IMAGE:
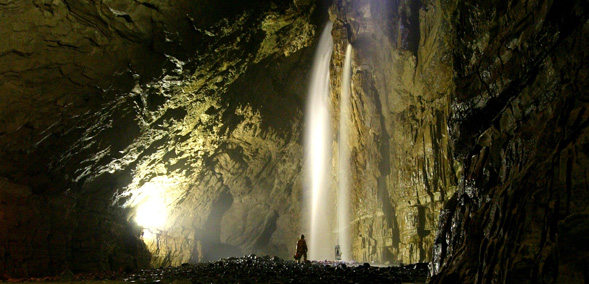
(485, 97)
(48, 222)
(519, 126)
(106, 102)
(62, 61)
(205, 112)
(403, 169)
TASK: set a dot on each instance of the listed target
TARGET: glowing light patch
(152, 202)
(152, 212)
(147, 234)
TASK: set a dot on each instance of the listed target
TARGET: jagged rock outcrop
(493, 96)
(108, 105)
(519, 125)
(403, 170)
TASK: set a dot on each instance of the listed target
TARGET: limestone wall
(403, 170)
(103, 99)
(519, 125)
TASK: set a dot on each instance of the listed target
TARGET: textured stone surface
(520, 126)
(402, 167)
(256, 269)
(102, 100)
(42, 248)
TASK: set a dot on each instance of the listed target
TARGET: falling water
(318, 152)
(344, 161)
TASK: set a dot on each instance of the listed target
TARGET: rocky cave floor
(256, 269)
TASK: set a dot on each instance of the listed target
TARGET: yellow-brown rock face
(402, 167)
(155, 132)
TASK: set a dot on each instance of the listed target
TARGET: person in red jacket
(301, 250)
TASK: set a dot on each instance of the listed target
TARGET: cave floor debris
(262, 269)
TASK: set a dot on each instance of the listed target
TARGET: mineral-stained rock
(402, 167)
(520, 126)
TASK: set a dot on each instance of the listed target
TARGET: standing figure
(338, 253)
(301, 250)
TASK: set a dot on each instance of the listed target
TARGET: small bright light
(150, 204)
(152, 212)
(148, 235)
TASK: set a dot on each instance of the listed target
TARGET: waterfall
(344, 160)
(318, 153)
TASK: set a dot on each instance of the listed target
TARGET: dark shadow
(269, 228)
(210, 237)
(383, 193)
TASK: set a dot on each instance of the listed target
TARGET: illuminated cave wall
(188, 112)
(478, 109)
(402, 166)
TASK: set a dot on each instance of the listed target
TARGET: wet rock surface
(402, 166)
(520, 128)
